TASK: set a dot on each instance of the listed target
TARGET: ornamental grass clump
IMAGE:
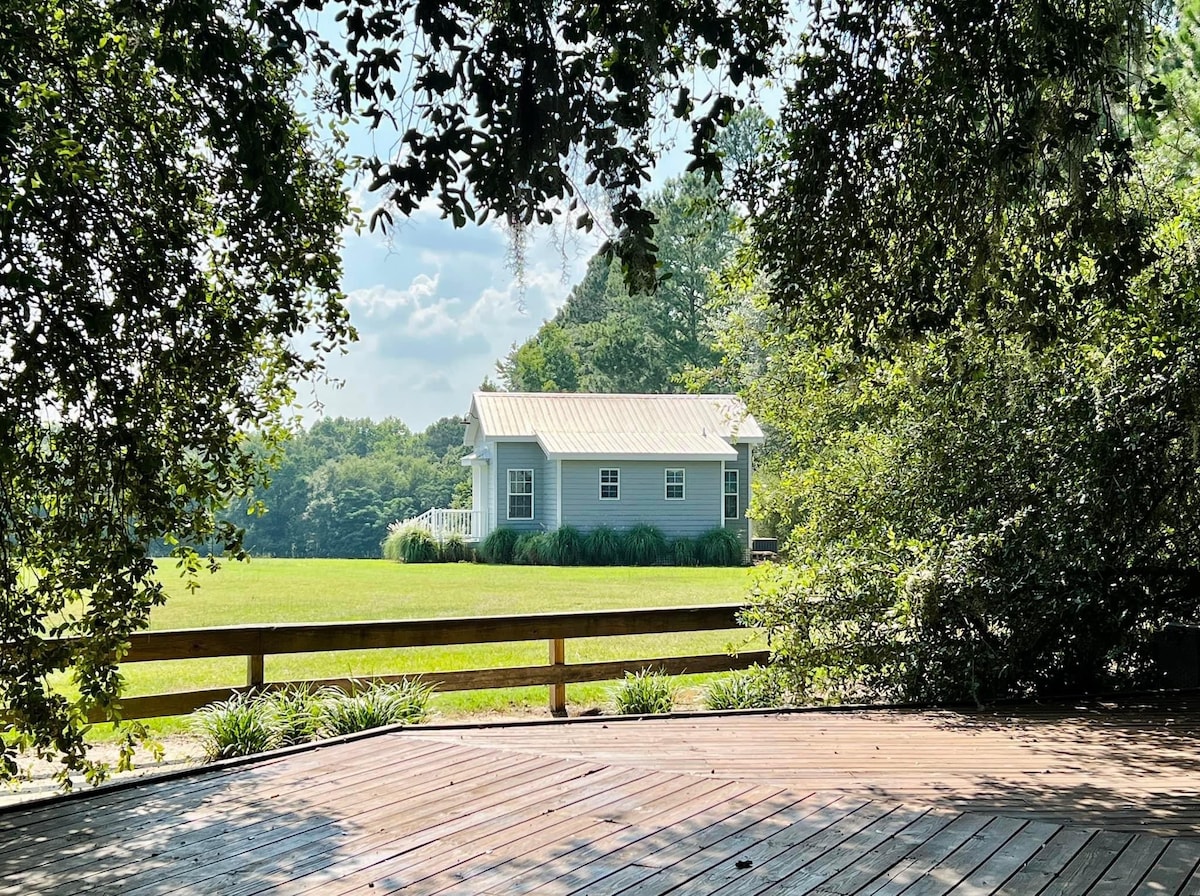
(565, 546)
(644, 545)
(498, 547)
(720, 547)
(756, 688)
(410, 544)
(453, 549)
(239, 726)
(603, 547)
(683, 552)
(373, 706)
(532, 549)
(644, 693)
(294, 713)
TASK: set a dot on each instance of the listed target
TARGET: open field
(276, 591)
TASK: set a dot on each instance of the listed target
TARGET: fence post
(255, 675)
(558, 691)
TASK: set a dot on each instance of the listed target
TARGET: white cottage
(542, 460)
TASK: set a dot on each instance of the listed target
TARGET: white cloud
(382, 300)
(434, 314)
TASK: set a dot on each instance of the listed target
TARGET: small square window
(674, 485)
(610, 485)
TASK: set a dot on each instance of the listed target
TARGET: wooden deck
(1133, 767)
(780, 804)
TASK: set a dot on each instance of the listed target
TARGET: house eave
(654, 458)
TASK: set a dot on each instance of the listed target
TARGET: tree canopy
(976, 339)
(607, 338)
(169, 234)
(342, 482)
(513, 110)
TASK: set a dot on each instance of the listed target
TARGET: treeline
(342, 482)
(609, 338)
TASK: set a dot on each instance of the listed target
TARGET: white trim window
(520, 494)
(674, 478)
(732, 501)
(610, 484)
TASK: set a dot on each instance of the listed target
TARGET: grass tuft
(454, 550)
(499, 546)
(411, 544)
(643, 693)
(293, 712)
(238, 726)
(532, 549)
(566, 547)
(644, 545)
(756, 688)
(603, 546)
(373, 706)
(683, 552)
(720, 547)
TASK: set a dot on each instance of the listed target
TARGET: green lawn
(269, 591)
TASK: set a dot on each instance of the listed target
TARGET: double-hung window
(520, 494)
(610, 484)
(731, 495)
(674, 485)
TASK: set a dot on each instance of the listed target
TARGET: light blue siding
(523, 456)
(643, 496)
(741, 526)
(550, 477)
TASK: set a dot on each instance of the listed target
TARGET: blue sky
(435, 308)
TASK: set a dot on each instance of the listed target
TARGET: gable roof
(593, 425)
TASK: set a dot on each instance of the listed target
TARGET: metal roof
(648, 446)
(591, 424)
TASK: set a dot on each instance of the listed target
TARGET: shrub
(374, 706)
(683, 552)
(294, 713)
(756, 688)
(532, 549)
(411, 544)
(565, 546)
(719, 547)
(454, 550)
(498, 547)
(239, 726)
(644, 692)
(603, 547)
(644, 545)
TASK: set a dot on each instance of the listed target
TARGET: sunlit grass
(280, 591)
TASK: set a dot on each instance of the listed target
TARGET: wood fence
(260, 641)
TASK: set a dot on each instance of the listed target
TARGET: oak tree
(169, 240)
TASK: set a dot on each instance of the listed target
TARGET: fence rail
(260, 641)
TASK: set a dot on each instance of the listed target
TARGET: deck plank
(1088, 865)
(1006, 861)
(1173, 867)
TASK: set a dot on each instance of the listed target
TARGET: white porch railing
(444, 522)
